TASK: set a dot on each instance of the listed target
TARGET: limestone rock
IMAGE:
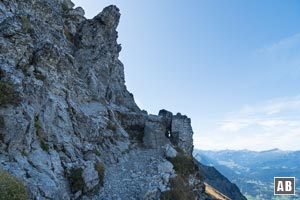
(165, 167)
(90, 177)
(155, 133)
(169, 151)
(167, 117)
(77, 12)
(67, 3)
(150, 194)
(182, 133)
(109, 16)
(68, 82)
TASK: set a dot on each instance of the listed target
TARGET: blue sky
(232, 66)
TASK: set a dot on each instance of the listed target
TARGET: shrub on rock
(100, 169)
(11, 187)
(76, 180)
(8, 94)
(183, 164)
(180, 190)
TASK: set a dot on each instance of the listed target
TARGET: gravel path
(142, 174)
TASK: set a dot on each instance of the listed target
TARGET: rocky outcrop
(67, 75)
(155, 133)
(167, 128)
(68, 126)
(182, 133)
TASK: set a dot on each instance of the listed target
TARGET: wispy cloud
(282, 57)
(270, 114)
(234, 125)
(282, 47)
(270, 124)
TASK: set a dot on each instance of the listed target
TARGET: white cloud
(281, 111)
(233, 125)
(282, 46)
(282, 104)
(270, 124)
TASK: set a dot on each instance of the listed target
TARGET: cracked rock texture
(65, 108)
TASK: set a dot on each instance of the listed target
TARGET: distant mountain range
(253, 172)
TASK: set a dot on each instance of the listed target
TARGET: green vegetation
(68, 34)
(11, 187)
(2, 122)
(180, 190)
(111, 126)
(95, 151)
(26, 25)
(76, 179)
(23, 68)
(2, 125)
(8, 94)
(99, 167)
(24, 154)
(40, 76)
(1, 73)
(64, 7)
(38, 127)
(39, 134)
(183, 164)
(118, 100)
(44, 146)
(71, 110)
(136, 132)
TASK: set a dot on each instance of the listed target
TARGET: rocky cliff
(69, 129)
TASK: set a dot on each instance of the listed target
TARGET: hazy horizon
(232, 67)
(265, 150)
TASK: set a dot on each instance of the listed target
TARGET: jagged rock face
(182, 133)
(69, 109)
(66, 72)
(155, 133)
(178, 129)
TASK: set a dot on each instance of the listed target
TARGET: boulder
(169, 151)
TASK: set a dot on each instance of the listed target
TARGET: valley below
(252, 171)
